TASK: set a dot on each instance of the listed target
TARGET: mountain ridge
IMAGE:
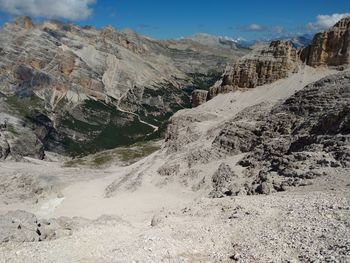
(65, 73)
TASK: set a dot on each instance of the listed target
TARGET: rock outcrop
(17, 140)
(330, 48)
(308, 132)
(223, 182)
(199, 97)
(20, 226)
(261, 67)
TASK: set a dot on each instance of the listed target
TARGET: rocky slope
(82, 89)
(295, 140)
(267, 139)
(206, 148)
(331, 47)
(286, 144)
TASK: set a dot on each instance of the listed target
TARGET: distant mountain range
(298, 41)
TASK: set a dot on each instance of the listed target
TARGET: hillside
(81, 90)
(257, 172)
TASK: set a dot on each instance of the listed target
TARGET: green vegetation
(101, 126)
(24, 106)
(95, 126)
(205, 81)
(121, 156)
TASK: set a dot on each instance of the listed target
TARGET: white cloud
(69, 9)
(254, 27)
(326, 21)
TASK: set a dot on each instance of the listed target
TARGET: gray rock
(264, 188)
(21, 226)
(260, 67)
(223, 182)
(199, 97)
(17, 140)
(18, 226)
(310, 130)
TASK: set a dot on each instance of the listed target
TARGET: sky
(165, 19)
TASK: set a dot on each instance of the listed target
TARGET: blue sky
(162, 19)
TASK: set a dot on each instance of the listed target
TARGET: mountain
(331, 47)
(279, 59)
(262, 66)
(280, 122)
(298, 41)
(213, 41)
(81, 90)
(301, 41)
(257, 172)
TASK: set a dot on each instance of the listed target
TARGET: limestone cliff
(331, 48)
(261, 67)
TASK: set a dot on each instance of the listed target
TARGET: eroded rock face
(309, 131)
(261, 67)
(199, 97)
(330, 48)
(17, 140)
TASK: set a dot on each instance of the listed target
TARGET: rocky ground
(180, 203)
(309, 224)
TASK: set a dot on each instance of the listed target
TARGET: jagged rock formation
(199, 97)
(330, 48)
(261, 67)
(83, 89)
(309, 131)
(280, 58)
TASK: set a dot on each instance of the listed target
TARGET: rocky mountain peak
(330, 47)
(343, 24)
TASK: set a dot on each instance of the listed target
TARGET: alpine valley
(115, 147)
